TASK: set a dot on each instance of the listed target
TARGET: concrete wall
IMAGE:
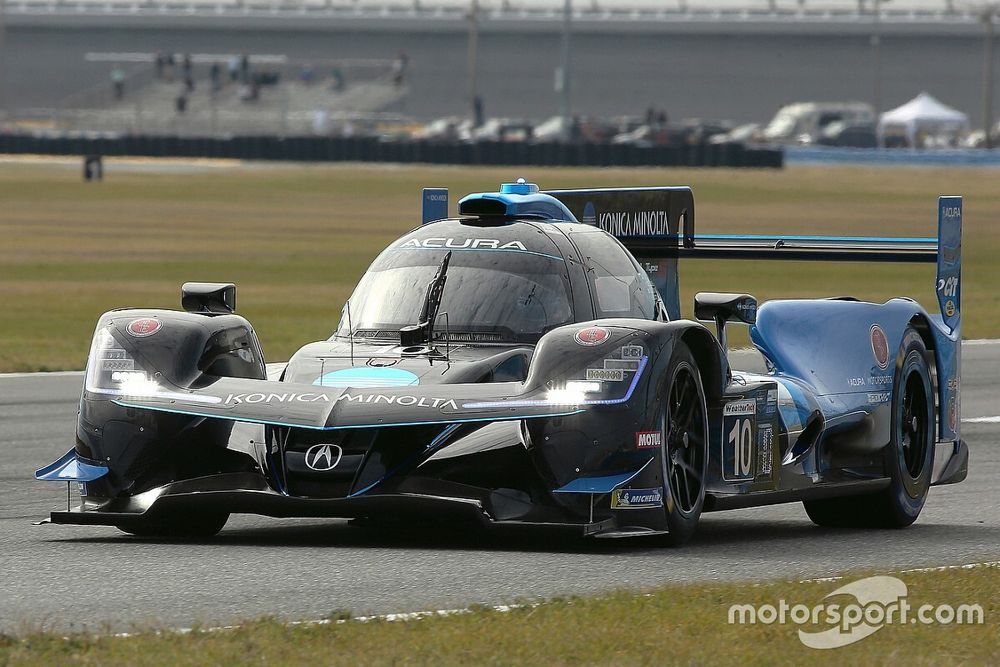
(743, 77)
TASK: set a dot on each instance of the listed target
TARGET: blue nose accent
(367, 378)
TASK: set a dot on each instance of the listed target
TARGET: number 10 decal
(738, 442)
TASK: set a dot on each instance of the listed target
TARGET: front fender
(605, 439)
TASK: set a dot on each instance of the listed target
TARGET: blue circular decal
(367, 378)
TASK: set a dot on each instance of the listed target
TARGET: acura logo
(323, 457)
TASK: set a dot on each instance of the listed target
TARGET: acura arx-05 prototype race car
(527, 363)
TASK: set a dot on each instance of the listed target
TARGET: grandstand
(362, 93)
(430, 14)
(737, 60)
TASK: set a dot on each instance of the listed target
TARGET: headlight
(113, 372)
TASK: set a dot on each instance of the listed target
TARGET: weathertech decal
(648, 439)
(741, 407)
(592, 336)
(880, 346)
(636, 499)
(145, 326)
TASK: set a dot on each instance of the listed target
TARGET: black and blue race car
(526, 363)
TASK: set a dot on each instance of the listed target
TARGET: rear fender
(845, 352)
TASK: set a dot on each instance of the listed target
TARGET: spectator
(245, 69)
(307, 75)
(338, 79)
(170, 62)
(399, 68)
(234, 68)
(216, 75)
(161, 61)
(118, 82)
(477, 110)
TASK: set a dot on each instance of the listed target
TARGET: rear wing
(657, 225)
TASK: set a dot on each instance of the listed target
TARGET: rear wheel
(908, 457)
(684, 448)
(177, 526)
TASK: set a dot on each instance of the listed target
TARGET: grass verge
(297, 238)
(673, 625)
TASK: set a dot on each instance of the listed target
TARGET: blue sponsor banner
(949, 272)
(435, 205)
(958, 157)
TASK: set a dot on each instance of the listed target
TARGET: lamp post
(988, 13)
(877, 54)
(473, 57)
(3, 100)
(564, 71)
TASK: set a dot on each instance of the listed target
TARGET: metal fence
(374, 149)
(513, 9)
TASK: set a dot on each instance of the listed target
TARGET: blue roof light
(519, 188)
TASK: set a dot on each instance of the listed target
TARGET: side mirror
(209, 297)
(722, 307)
(730, 307)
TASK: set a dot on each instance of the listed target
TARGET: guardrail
(373, 149)
(583, 10)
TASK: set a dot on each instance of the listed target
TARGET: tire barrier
(373, 149)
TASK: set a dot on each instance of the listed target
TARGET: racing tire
(684, 448)
(176, 526)
(909, 457)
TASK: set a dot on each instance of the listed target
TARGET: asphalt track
(95, 578)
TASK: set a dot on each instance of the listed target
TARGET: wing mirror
(209, 297)
(723, 307)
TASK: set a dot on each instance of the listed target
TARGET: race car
(526, 363)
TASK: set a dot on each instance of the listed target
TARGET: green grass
(296, 239)
(684, 625)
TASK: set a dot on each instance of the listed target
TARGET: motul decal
(648, 439)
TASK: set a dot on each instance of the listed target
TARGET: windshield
(491, 295)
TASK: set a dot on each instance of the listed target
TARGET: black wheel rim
(685, 440)
(911, 429)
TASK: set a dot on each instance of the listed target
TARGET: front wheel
(909, 455)
(684, 446)
(177, 526)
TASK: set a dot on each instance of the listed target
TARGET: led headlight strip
(564, 397)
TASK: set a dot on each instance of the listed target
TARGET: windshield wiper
(423, 332)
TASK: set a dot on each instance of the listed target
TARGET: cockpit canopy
(505, 284)
(507, 281)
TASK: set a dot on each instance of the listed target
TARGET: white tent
(922, 114)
